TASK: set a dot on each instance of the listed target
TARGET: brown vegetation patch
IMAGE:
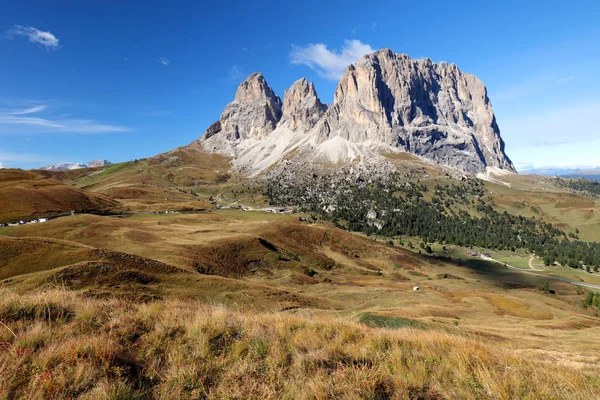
(403, 260)
(575, 325)
(27, 255)
(302, 279)
(516, 308)
(135, 262)
(449, 276)
(102, 273)
(26, 195)
(234, 257)
(399, 277)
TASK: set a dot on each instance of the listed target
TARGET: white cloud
(1, 165)
(22, 121)
(46, 39)
(164, 61)
(327, 63)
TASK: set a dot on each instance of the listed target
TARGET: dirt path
(531, 265)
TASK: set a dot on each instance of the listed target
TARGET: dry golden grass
(25, 195)
(280, 263)
(57, 344)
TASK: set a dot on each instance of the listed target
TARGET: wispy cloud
(22, 157)
(46, 39)
(26, 111)
(28, 120)
(235, 73)
(327, 63)
(567, 79)
(164, 61)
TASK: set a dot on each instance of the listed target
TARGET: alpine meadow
(230, 242)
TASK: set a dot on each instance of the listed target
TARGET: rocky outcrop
(432, 110)
(301, 106)
(385, 102)
(98, 163)
(252, 115)
(68, 166)
(64, 167)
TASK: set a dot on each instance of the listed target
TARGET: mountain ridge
(384, 102)
(69, 166)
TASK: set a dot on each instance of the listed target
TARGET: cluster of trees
(587, 186)
(457, 214)
(592, 300)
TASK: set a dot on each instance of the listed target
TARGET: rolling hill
(27, 195)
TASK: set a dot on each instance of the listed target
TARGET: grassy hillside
(275, 263)
(27, 195)
(540, 197)
(248, 304)
(182, 179)
(62, 345)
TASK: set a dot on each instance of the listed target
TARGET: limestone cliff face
(302, 108)
(432, 110)
(253, 114)
(385, 102)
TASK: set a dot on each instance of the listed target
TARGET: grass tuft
(381, 321)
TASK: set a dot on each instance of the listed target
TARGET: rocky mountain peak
(432, 110)
(253, 114)
(255, 88)
(69, 166)
(98, 163)
(302, 108)
(385, 102)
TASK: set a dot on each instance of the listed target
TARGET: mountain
(98, 163)
(386, 102)
(592, 173)
(64, 166)
(69, 166)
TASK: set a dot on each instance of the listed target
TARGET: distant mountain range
(385, 103)
(68, 166)
(566, 172)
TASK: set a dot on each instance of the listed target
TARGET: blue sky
(83, 80)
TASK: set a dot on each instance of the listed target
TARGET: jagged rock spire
(301, 106)
(253, 114)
